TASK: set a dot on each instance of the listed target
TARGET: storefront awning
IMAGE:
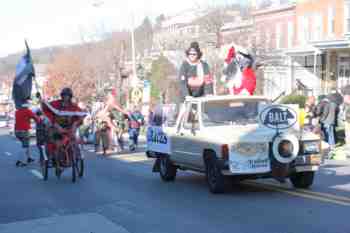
(332, 44)
(302, 51)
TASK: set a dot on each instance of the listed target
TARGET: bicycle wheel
(58, 169)
(44, 164)
(74, 171)
(73, 163)
(45, 169)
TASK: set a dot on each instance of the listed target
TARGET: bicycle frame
(68, 150)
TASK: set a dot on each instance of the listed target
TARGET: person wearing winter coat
(310, 115)
(327, 112)
(346, 93)
(195, 77)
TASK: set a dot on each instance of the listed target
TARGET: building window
(347, 17)
(290, 34)
(300, 29)
(331, 21)
(278, 35)
(303, 29)
(318, 26)
(283, 36)
(258, 38)
(267, 39)
(307, 31)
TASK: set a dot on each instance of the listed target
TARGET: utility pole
(122, 74)
(134, 79)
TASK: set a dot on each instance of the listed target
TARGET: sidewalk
(341, 153)
(81, 223)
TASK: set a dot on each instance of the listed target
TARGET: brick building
(321, 55)
(239, 32)
(273, 33)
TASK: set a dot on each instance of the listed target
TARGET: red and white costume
(64, 116)
(239, 71)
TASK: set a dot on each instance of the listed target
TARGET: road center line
(37, 174)
(296, 192)
(325, 195)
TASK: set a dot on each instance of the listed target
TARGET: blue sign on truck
(278, 117)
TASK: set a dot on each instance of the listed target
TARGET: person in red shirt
(65, 116)
(23, 117)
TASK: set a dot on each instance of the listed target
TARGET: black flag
(22, 85)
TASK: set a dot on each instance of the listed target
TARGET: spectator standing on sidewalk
(328, 114)
(338, 99)
(23, 116)
(346, 93)
(310, 111)
(319, 111)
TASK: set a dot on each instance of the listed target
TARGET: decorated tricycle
(60, 147)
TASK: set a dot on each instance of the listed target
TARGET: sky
(62, 22)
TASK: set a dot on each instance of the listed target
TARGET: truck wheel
(302, 179)
(167, 169)
(215, 179)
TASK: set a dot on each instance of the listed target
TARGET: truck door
(185, 142)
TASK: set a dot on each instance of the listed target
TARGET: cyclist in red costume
(65, 117)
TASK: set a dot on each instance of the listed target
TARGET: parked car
(241, 137)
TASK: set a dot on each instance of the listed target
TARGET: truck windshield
(231, 112)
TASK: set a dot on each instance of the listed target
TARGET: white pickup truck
(245, 137)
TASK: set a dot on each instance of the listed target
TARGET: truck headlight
(312, 147)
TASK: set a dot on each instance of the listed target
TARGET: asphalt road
(121, 194)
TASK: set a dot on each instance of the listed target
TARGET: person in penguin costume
(238, 73)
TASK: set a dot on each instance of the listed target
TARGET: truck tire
(167, 169)
(215, 179)
(302, 179)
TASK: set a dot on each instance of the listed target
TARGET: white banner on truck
(157, 140)
(249, 158)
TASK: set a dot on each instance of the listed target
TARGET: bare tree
(90, 69)
(214, 18)
(144, 36)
